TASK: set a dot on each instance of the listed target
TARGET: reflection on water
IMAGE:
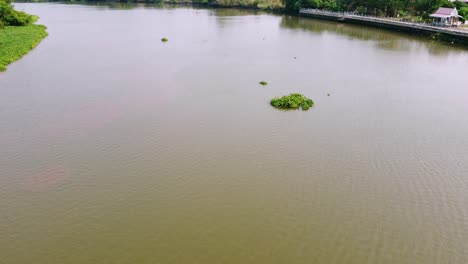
(117, 148)
(384, 39)
(123, 5)
(221, 12)
(157, 4)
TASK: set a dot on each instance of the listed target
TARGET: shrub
(11, 17)
(463, 12)
(164, 40)
(2, 25)
(292, 101)
(263, 83)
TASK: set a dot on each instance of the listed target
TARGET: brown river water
(118, 148)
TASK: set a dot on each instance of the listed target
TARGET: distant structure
(446, 17)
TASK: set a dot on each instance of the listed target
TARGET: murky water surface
(117, 148)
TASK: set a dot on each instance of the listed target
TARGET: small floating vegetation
(164, 40)
(292, 101)
(263, 83)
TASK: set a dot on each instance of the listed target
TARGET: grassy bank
(16, 41)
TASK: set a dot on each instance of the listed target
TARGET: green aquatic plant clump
(292, 101)
(164, 40)
(15, 41)
(306, 104)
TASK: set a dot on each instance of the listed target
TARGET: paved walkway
(377, 20)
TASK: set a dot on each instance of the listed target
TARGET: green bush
(11, 17)
(164, 40)
(292, 101)
(263, 83)
(463, 12)
(2, 25)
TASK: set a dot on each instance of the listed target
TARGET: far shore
(454, 36)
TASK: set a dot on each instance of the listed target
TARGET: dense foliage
(292, 101)
(378, 7)
(12, 17)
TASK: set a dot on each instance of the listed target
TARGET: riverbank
(16, 41)
(452, 35)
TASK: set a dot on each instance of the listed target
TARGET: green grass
(292, 101)
(16, 41)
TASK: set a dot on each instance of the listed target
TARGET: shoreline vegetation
(18, 34)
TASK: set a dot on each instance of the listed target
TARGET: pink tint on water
(44, 180)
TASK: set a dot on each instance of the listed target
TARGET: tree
(463, 12)
(9, 16)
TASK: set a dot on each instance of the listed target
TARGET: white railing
(400, 22)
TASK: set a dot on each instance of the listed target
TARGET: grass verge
(16, 41)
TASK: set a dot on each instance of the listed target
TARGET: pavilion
(445, 17)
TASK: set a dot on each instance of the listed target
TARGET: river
(118, 148)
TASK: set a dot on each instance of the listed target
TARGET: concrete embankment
(447, 34)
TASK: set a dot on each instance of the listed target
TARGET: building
(446, 17)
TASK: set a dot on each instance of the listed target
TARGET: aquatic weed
(292, 101)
